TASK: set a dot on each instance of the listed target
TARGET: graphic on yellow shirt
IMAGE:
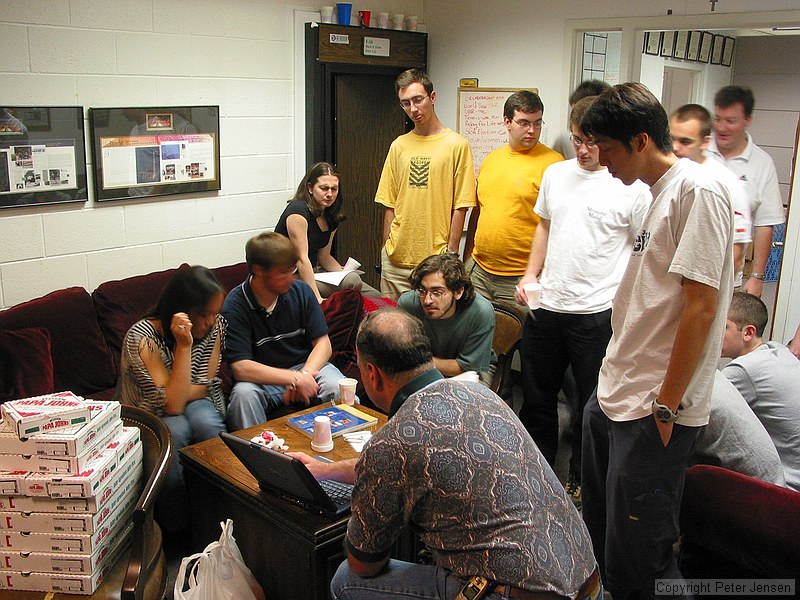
(419, 172)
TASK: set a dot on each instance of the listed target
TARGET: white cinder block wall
(238, 54)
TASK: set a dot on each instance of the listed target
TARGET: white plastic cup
(398, 21)
(533, 291)
(383, 20)
(411, 23)
(326, 14)
(347, 391)
(322, 442)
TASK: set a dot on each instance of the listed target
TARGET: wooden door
(367, 117)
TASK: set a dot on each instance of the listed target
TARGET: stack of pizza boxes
(70, 477)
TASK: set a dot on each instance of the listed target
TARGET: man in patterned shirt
(454, 462)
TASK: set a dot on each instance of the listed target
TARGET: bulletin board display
(480, 119)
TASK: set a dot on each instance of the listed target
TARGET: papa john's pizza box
(128, 473)
(12, 483)
(70, 441)
(84, 484)
(44, 413)
(68, 583)
(84, 563)
(35, 522)
(46, 463)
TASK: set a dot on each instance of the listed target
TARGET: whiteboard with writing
(480, 119)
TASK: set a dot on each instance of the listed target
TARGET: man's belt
(590, 590)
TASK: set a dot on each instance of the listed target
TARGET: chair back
(509, 320)
(146, 575)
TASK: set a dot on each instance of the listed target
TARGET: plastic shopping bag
(217, 573)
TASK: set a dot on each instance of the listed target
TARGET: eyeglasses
(525, 124)
(435, 293)
(416, 101)
(578, 142)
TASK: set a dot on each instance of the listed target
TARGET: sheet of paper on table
(335, 278)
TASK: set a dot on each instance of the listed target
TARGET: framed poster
(681, 41)
(668, 44)
(42, 155)
(727, 51)
(141, 152)
(716, 49)
(652, 42)
(693, 48)
(706, 40)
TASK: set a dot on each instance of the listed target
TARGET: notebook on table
(344, 419)
(284, 476)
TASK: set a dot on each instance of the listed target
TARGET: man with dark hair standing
(589, 87)
(767, 376)
(669, 313)
(589, 221)
(277, 340)
(456, 464)
(459, 323)
(502, 224)
(733, 147)
(426, 187)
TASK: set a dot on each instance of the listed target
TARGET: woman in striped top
(169, 367)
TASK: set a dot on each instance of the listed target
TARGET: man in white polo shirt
(733, 147)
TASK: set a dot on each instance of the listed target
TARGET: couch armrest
(745, 520)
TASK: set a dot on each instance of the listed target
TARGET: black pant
(550, 343)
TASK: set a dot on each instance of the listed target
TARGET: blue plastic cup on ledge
(343, 11)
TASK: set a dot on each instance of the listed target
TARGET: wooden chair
(141, 572)
(509, 320)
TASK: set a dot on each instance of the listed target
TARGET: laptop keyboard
(337, 491)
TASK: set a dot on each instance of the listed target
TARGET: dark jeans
(632, 486)
(550, 343)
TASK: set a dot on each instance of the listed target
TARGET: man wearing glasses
(589, 221)
(458, 322)
(502, 224)
(426, 187)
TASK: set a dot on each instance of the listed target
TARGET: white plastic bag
(217, 573)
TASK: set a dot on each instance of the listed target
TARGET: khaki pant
(394, 279)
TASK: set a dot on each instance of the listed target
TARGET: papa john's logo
(419, 172)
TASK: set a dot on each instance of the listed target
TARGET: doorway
(678, 88)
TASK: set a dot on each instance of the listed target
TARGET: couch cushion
(81, 359)
(231, 275)
(26, 367)
(343, 313)
(119, 304)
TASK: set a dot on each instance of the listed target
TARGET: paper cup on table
(411, 23)
(343, 10)
(383, 20)
(326, 14)
(397, 21)
(323, 441)
(534, 293)
(347, 391)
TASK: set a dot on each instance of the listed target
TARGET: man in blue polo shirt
(277, 340)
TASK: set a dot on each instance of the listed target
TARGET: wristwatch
(664, 413)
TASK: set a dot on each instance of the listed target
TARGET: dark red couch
(71, 340)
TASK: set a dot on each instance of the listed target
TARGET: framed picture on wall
(140, 152)
(42, 155)
(652, 42)
(681, 41)
(706, 39)
(717, 46)
(727, 51)
(668, 44)
(693, 47)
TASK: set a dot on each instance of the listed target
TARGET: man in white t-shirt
(690, 127)
(579, 252)
(668, 316)
(733, 147)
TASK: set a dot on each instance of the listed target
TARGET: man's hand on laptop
(340, 470)
(302, 390)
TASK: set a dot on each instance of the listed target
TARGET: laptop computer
(282, 475)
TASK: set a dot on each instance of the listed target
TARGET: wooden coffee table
(293, 553)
